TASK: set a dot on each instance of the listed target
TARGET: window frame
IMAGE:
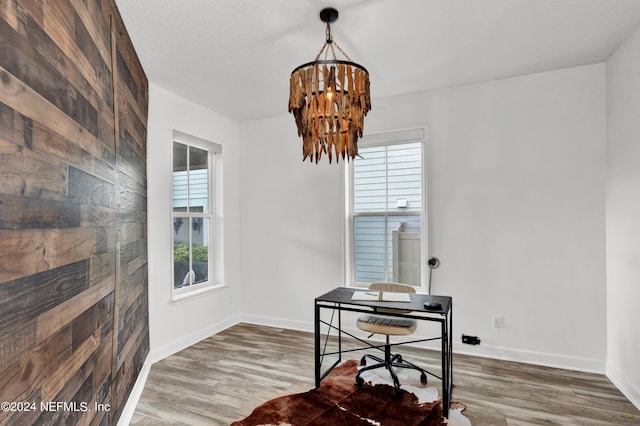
(215, 274)
(385, 138)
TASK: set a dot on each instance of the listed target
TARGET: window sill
(200, 291)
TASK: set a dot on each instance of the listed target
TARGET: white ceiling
(235, 56)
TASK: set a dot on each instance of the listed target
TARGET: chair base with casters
(388, 325)
(390, 362)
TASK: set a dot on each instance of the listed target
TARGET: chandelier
(329, 99)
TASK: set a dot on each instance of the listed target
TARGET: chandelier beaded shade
(329, 99)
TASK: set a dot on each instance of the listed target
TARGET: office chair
(389, 326)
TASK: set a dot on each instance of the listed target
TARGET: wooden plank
(26, 173)
(91, 78)
(103, 419)
(54, 382)
(132, 344)
(98, 216)
(102, 374)
(102, 267)
(134, 107)
(134, 181)
(59, 23)
(55, 319)
(85, 324)
(87, 45)
(20, 97)
(78, 389)
(103, 238)
(131, 250)
(7, 124)
(17, 212)
(131, 201)
(130, 121)
(9, 13)
(131, 298)
(131, 232)
(127, 373)
(26, 252)
(16, 340)
(130, 75)
(25, 376)
(22, 60)
(132, 311)
(95, 373)
(25, 298)
(88, 189)
(130, 136)
(83, 394)
(96, 49)
(48, 142)
(90, 382)
(31, 9)
(127, 150)
(28, 417)
(136, 264)
(95, 27)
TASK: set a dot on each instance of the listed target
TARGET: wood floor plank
(223, 378)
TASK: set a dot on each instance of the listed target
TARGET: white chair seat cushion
(384, 324)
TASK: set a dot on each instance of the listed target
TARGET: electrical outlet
(498, 321)
(470, 340)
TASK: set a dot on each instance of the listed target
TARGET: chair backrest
(393, 287)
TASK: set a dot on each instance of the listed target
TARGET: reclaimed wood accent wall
(74, 328)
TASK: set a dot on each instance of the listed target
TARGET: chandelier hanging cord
(331, 43)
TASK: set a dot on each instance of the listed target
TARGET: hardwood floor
(222, 378)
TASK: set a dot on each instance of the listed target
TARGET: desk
(339, 299)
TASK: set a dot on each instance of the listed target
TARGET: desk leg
(316, 322)
(450, 352)
(445, 366)
(447, 361)
(339, 334)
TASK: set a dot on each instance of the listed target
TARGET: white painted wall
(516, 195)
(623, 218)
(291, 225)
(175, 326)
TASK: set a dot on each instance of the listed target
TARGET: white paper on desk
(366, 295)
(391, 296)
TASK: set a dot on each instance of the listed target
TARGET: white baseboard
(277, 322)
(495, 352)
(545, 359)
(130, 407)
(629, 390)
(192, 338)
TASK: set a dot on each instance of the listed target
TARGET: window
(386, 218)
(196, 231)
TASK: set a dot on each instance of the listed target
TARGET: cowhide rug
(339, 401)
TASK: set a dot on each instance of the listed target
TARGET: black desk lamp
(432, 305)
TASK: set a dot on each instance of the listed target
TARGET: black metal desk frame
(339, 299)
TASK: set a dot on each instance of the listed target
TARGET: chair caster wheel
(363, 360)
(359, 381)
(423, 378)
(399, 358)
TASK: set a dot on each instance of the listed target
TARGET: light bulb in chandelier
(329, 95)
